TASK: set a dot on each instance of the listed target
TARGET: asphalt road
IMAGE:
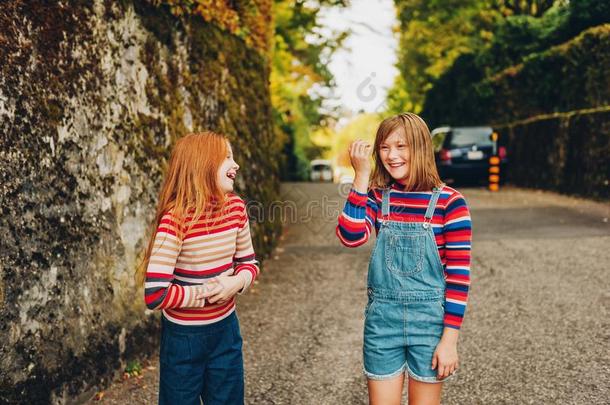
(536, 330)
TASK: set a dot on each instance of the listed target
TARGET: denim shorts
(201, 361)
(402, 336)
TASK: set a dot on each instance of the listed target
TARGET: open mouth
(231, 175)
(395, 165)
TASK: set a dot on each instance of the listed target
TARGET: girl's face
(227, 171)
(395, 155)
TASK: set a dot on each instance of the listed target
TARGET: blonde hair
(190, 186)
(422, 173)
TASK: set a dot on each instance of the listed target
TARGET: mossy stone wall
(92, 97)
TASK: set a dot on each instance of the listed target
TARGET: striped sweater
(178, 266)
(452, 231)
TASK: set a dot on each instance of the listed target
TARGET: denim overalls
(406, 290)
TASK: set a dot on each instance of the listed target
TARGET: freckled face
(227, 171)
(395, 156)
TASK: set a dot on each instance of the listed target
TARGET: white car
(321, 170)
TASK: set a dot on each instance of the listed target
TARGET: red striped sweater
(452, 230)
(212, 246)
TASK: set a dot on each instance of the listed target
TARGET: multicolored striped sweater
(178, 267)
(452, 230)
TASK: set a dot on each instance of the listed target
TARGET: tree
(465, 92)
(433, 33)
(534, 8)
(299, 63)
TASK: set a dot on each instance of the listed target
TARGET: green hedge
(564, 152)
(566, 77)
(587, 164)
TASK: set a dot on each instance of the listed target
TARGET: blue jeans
(201, 362)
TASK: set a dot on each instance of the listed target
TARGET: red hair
(190, 186)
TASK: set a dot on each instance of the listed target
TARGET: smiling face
(394, 155)
(227, 171)
(404, 153)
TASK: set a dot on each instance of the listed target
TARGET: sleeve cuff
(358, 193)
(357, 198)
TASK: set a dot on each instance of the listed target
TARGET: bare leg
(421, 393)
(386, 392)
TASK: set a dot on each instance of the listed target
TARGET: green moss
(227, 82)
(53, 111)
(158, 20)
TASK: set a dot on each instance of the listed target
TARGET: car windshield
(320, 167)
(471, 136)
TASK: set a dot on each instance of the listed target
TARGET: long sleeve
(457, 229)
(159, 290)
(245, 259)
(357, 219)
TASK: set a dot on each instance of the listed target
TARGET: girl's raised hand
(360, 157)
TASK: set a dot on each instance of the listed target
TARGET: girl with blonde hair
(419, 271)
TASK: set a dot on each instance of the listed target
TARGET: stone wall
(92, 97)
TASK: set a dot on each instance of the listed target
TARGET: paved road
(536, 329)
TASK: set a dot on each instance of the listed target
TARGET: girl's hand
(360, 157)
(222, 288)
(445, 358)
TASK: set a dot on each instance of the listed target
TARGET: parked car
(462, 153)
(321, 170)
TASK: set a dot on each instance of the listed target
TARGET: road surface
(535, 332)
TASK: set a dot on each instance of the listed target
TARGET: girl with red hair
(197, 260)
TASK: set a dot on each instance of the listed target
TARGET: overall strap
(385, 203)
(431, 206)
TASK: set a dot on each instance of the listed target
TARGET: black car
(462, 153)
